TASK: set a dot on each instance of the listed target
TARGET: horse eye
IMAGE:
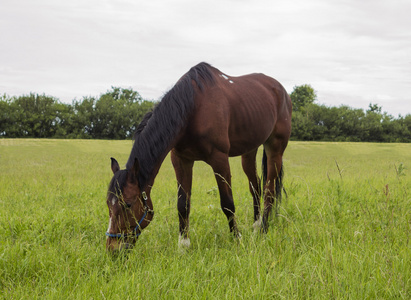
(128, 205)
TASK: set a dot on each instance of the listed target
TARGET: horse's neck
(161, 132)
(157, 166)
(158, 151)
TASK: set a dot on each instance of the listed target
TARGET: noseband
(137, 230)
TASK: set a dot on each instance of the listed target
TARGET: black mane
(158, 130)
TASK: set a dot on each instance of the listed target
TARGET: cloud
(345, 49)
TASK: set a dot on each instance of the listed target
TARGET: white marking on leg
(183, 242)
(257, 224)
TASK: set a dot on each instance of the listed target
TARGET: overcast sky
(351, 52)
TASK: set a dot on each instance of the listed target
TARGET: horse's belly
(248, 131)
(240, 145)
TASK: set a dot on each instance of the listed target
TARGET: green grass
(342, 233)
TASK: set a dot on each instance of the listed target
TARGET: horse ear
(114, 165)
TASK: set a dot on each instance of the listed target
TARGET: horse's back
(255, 106)
(236, 114)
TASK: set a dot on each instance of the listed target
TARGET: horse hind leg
(272, 186)
(250, 169)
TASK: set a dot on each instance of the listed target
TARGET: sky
(351, 52)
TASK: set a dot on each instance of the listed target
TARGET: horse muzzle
(117, 245)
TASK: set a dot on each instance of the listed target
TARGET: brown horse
(206, 116)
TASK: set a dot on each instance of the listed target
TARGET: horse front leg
(184, 174)
(222, 173)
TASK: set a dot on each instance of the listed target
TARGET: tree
(302, 96)
(118, 112)
(30, 116)
(8, 120)
(374, 108)
(82, 119)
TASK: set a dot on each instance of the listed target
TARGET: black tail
(279, 184)
(264, 169)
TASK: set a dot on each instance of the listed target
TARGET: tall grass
(342, 232)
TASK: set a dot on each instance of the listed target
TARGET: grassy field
(342, 233)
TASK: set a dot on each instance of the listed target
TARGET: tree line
(116, 114)
(313, 122)
(113, 115)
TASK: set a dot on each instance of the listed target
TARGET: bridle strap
(137, 229)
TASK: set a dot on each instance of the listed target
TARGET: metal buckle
(144, 195)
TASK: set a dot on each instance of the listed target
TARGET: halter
(137, 230)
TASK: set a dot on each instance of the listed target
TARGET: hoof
(237, 234)
(183, 243)
(257, 225)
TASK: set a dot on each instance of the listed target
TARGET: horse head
(130, 208)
